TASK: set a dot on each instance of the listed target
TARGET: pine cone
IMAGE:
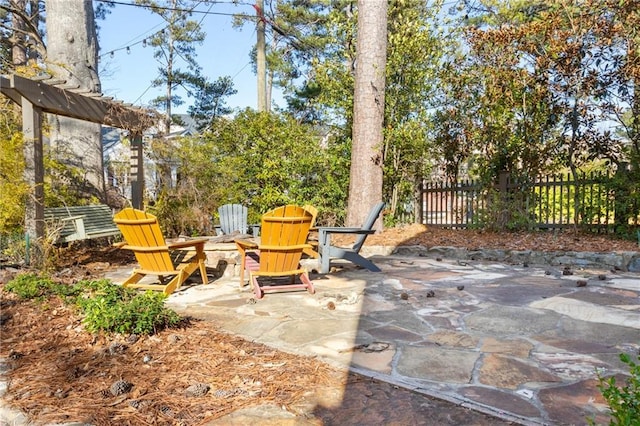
(221, 393)
(116, 348)
(198, 389)
(120, 387)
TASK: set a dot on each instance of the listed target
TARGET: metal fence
(594, 201)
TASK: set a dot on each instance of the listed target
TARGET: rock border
(627, 261)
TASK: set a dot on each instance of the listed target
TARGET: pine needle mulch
(58, 372)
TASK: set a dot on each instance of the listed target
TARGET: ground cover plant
(103, 305)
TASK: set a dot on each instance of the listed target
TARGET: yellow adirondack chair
(283, 238)
(143, 236)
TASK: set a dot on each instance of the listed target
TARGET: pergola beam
(69, 103)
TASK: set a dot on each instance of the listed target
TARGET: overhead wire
(295, 41)
(189, 11)
(192, 10)
(177, 9)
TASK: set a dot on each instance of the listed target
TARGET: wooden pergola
(46, 95)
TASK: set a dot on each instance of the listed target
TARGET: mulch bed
(60, 373)
(548, 241)
(193, 375)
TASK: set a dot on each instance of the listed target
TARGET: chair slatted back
(144, 237)
(368, 225)
(233, 217)
(283, 236)
(314, 213)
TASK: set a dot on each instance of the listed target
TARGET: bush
(13, 189)
(111, 308)
(104, 306)
(260, 160)
(624, 401)
(30, 286)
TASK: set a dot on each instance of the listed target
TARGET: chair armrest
(340, 230)
(286, 248)
(68, 218)
(144, 249)
(188, 243)
(324, 234)
(243, 246)
(246, 244)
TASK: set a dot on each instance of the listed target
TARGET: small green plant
(104, 306)
(34, 286)
(111, 308)
(624, 401)
(30, 286)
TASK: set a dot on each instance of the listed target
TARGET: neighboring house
(117, 159)
(187, 126)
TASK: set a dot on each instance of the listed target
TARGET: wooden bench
(80, 222)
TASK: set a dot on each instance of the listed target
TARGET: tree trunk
(72, 56)
(168, 90)
(365, 187)
(26, 42)
(261, 61)
(18, 47)
(170, 80)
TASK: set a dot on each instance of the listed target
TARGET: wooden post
(621, 196)
(137, 172)
(34, 169)
(419, 213)
(504, 208)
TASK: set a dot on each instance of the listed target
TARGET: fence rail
(595, 201)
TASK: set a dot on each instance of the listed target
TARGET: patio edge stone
(623, 261)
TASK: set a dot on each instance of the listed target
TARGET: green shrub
(261, 160)
(33, 286)
(30, 286)
(104, 306)
(13, 188)
(112, 308)
(624, 401)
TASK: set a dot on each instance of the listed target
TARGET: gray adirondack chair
(352, 254)
(233, 217)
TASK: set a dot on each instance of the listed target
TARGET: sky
(126, 74)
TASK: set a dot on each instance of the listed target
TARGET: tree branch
(32, 29)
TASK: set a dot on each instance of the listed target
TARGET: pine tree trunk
(72, 55)
(365, 187)
(18, 48)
